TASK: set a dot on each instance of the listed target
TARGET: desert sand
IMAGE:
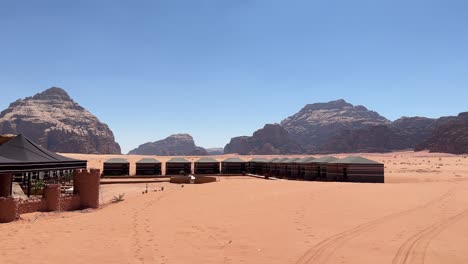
(420, 215)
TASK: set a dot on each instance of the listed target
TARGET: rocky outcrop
(315, 124)
(450, 135)
(174, 145)
(403, 134)
(272, 139)
(56, 122)
(215, 151)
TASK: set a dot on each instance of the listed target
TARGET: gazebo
(206, 166)
(175, 165)
(32, 165)
(116, 167)
(357, 169)
(148, 166)
(233, 166)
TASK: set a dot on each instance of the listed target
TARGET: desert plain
(419, 215)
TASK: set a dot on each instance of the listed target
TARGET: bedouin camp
(31, 166)
(206, 166)
(116, 167)
(148, 166)
(176, 166)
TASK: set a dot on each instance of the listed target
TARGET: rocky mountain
(271, 139)
(450, 135)
(338, 126)
(174, 145)
(215, 151)
(404, 133)
(56, 122)
(316, 123)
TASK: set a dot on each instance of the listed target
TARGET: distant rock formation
(403, 134)
(54, 121)
(174, 145)
(450, 135)
(215, 151)
(316, 123)
(272, 139)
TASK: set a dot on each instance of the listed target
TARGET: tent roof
(117, 160)
(22, 149)
(326, 159)
(355, 160)
(273, 160)
(206, 160)
(177, 160)
(281, 160)
(22, 155)
(258, 160)
(292, 160)
(149, 161)
(234, 160)
(306, 160)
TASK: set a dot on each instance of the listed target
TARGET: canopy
(22, 155)
(178, 160)
(355, 160)
(206, 160)
(148, 161)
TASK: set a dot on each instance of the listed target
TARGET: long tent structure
(275, 166)
(356, 169)
(304, 170)
(233, 166)
(27, 161)
(268, 167)
(148, 166)
(116, 167)
(256, 166)
(207, 166)
(177, 165)
(321, 165)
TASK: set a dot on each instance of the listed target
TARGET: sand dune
(418, 216)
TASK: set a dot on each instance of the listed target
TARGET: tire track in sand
(413, 250)
(322, 251)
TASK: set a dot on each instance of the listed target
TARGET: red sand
(419, 216)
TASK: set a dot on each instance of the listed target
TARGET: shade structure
(233, 166)
(27, 161)
(206, 166)
(321, 165)
(116, 167)
(22, 155)
(356, 169)
(256, 166)
(177, 165)
(148, 166)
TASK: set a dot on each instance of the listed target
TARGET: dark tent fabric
(22, 155)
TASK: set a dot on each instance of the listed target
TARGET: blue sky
(218, 69)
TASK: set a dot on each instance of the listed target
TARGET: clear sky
(223, 68)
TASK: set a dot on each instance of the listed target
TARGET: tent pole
(29, 184)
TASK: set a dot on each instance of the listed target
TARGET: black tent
(175, 165)
(22, 157)
(148, 166)
(357, 169)
(233, 166)
(116, 167)
(206, 166)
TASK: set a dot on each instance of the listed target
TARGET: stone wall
(86, 195)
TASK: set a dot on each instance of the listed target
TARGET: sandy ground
(420, 215)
